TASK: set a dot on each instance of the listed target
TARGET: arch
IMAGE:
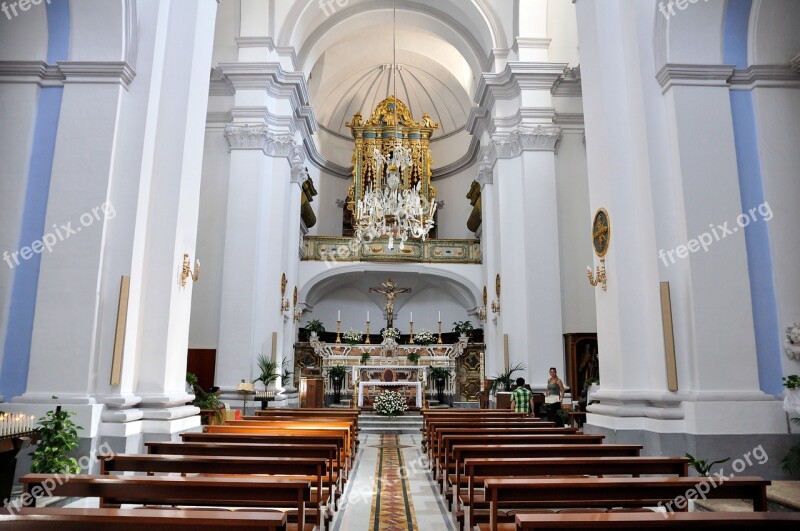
(317, 285)
(103, 30)
(773, 35)
(692, 36)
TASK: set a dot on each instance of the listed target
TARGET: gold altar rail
(345, 249)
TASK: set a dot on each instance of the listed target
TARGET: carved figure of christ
(390, 291)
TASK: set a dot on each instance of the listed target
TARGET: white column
(172, 213)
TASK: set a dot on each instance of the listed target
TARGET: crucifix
(390, 290)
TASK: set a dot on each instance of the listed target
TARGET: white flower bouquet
(353, 336)
(424, 337)
(390, 404)
(390, 333)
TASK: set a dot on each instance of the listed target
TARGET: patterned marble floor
(391, 490)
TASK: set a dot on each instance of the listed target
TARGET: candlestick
(411, 333)
(440, 331)
(339, 331)
(367, 341)
(440, 316)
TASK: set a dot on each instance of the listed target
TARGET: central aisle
(391, 489)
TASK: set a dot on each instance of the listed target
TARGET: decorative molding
(540, 138)
(97, 72)
(46, 75)
(683, 75)
(538, 43)
(762, 76)
(297, 161)
(488, 157)
(246, 136)
(569, 85)
(515, 78)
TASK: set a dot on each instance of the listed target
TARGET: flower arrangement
(390, 333)
(390, 404)
(424, 337)
(353, 336)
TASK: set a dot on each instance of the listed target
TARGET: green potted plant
(463, 328)
(58, 436)
(413, 357)
(337, 376)
(791, 461)
(269, 371)
(288, 376)
(702, 466)
(313, 326)
(503, 381)
(439, 376)
(209, 404)
(365, 358)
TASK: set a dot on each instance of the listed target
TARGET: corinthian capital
(246, 136)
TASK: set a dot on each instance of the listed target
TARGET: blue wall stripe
(751, 186)
(17, 347)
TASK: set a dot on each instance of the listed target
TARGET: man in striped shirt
(522, 398)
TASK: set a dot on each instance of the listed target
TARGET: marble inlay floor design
(391, 489)
(392, 508)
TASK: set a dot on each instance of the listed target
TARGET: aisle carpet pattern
(392, 508)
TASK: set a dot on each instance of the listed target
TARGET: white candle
(411, 316)
(440, 316)
(339, 315)
(367, 315)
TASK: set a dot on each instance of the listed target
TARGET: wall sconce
(482, 310)
(186, 270)
(496, 302)
(298, 312)
(599, 276)
(601, 238)
(284, 300)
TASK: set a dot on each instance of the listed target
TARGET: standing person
(522, 398)
(555, 387)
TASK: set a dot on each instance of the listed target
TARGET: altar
(370, 377)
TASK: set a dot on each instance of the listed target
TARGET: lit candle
(339, 315)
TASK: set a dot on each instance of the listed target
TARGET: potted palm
(439, 376)
(502, 382)
(269, 371)
(337, 376)
(314, 326)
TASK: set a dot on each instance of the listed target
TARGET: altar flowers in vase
(390, 335)
(353, 337)
(424, 337)
(390, 404)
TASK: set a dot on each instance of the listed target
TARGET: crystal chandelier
(393, 212)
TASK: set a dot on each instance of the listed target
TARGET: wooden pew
(610, 492)
(694, 520)
(294, 429)
(429, 429)
(192, 464)
(281, 439)
(60, 519)
(476, 471)
(329, 452)
(248, 492)
(519, 429)
(443, 461)
(309, 424)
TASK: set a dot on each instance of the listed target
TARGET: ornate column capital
(539, 138)
(297, 162)
(259, 137)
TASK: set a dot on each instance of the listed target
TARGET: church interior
(399, 264)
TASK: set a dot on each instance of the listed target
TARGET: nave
(317, 469)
